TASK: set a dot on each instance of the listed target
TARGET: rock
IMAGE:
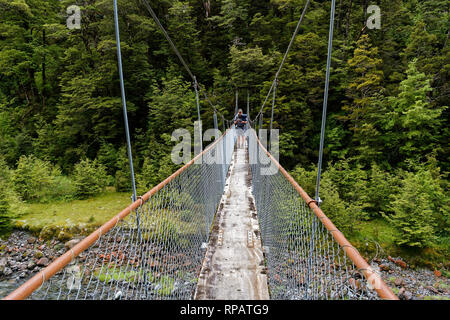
(384, 267)
(401, 291)
(407, 295)
(31, 240)
(432, 289)
(3, 264)
(71, 243)
(31, 264)
(399, 282)
(401, 263)
(43, 262)
(7, 271)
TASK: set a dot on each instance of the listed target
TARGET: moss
(435, 298)
(106, 274)
(63, 235)
(166, 286)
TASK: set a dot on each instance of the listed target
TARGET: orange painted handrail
(372, 277)
(36, 281)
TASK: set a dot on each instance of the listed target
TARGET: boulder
(384, 267)
(7, 271)
(399, 282)
(71, 243)
(3, 264)
(43, 262)
(432, 289)
(407, 295)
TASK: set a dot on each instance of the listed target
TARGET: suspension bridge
(230, 224)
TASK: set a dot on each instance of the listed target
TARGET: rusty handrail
(372, 277)
(38, 280)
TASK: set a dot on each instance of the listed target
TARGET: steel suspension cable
(297, 28)
(325, 99)
(124, 102)
(125, 115)
(177, 52)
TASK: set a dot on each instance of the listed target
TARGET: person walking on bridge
(240, 122)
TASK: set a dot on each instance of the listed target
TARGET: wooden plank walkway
(233, 268)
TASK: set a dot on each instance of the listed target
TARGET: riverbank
(22, 255)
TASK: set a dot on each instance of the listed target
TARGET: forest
(386, 153)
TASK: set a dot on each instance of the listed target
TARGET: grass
(164, 284)
(435, 298)
(64, 219)
(106, 274)
(72, 215)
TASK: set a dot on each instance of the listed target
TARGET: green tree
(33, 177)
(89, 178)
(413, 125)
(417, 209)
(364, 91)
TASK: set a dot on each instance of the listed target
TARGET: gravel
(22, 256)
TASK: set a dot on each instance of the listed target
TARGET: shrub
(33, 177)
(107, 156)
(62, 188)
(380, 186)
(123, 175)
(350, 180)
(10, 204)
(306, 179)
(38, 180)
(345, 216)
(146, 179)
(417, 209)
(334, 189)
(89, 178)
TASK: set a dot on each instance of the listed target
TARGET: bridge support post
(271, 115)
(216, 127)
(127, 130)
(237, 102)
(198, 114)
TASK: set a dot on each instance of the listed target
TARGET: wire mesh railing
(159, 256)
(306, 255)
(156, 257)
